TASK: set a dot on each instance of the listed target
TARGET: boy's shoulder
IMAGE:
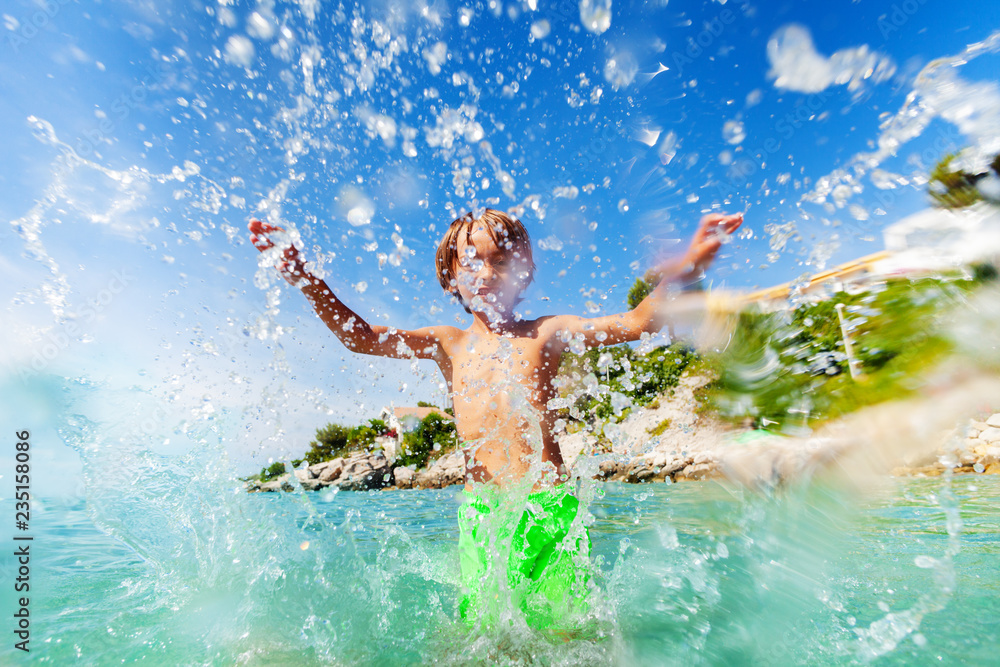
(546, 326)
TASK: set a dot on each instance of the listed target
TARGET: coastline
(674, 441)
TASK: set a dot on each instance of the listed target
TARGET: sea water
(692, 573)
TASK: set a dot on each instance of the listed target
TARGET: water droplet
(733, 132)
(595, 15)
(540, 29)
(551, 243)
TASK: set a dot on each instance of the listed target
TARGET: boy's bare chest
(490, 364)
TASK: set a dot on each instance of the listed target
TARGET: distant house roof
(419, 413)
(415, 413)
(854, 269)
(960, 236)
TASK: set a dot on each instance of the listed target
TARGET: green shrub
(791, 367)
(953, 188)
(268, 473)
(660, 428)
(623, 372)
(641, 288)
(335, 440)
(331, 441)
(984, 272)
(434, 435)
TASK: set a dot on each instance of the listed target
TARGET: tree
(640, 290)
(331, 441)
(267, 473)
(956, 188)
(434, 434)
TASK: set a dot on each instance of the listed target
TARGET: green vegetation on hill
(639, 291)
(790, 368)
(335, 440)
(606, 382)
(434, 437)
(955, 188)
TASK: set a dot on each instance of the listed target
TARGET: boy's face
(489, 277)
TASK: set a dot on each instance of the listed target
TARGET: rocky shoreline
(975, 451)
(669, 442)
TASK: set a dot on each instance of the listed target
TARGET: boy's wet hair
(507, 233)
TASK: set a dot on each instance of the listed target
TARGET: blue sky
(151, 132)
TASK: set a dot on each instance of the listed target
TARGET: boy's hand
(712, 231)
(292, 268)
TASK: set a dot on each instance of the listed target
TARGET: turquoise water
(693, 573)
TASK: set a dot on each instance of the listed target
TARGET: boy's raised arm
(653, 312)
(353, 331)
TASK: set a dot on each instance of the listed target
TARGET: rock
(607, 470)
(697, 471)
(927, 471)
(702, 457)
(993, 469)
(966, 458)
(313, 484)
(988, 460)
(332, 470)
(572, 444)
(638, 471)
(673, 465)
(278, 484)
(994, 421)
(363, 472)
(403, 477)
(444, 472)
(305, 475)
(990, 435)
(977, 446)
(318, 468)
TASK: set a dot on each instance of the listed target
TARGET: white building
(401, 421)
(938, 239)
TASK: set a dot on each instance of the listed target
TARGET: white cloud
(797, 65)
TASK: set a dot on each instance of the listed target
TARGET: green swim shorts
(523, 555)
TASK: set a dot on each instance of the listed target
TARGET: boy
(499, 373)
